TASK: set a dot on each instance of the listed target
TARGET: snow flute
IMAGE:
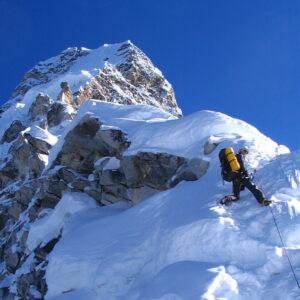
(234, 164)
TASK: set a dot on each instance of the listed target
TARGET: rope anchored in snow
(285, 250)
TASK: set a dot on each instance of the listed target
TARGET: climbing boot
(228, 199)
(265, 202)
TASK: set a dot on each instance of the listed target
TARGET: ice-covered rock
(65, 95)
(40, 106)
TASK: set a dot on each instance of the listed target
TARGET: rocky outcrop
(82, 95)
(85, 144)
(43, 72)
(92, 161)
(38, 144)
(65, 95)
(134, 81)
(48, 113)
(58, 113)
(139, 71)
(191, 170)
(12, 132)
(27, 159)
(8, 174)
(148, 173)
(209, 147)
(120, 84)
(91, 158)
(40, 106)
(150, 169)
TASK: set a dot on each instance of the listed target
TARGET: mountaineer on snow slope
(234, 170)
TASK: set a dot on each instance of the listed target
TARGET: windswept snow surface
(180, 243)
(151, 129)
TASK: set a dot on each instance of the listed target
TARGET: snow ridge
(70, 172)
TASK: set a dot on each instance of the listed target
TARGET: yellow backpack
(229, 163)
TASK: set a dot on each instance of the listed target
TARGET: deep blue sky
(238, 57)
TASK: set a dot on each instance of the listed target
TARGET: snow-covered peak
(53, 67)
(119, 73)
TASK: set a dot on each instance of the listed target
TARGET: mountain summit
(119, 73)
(107, 192)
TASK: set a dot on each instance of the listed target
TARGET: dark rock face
(151, 169)
(65, 95)
(40, 145)
(25, 160)
(26, 156)
(85, 144)
(8, 174)
(25, 194)
(136, 73)
(209, 147)
(40, 107)
(191, 170)
(57, 114)
(90, 151)
(12, 132)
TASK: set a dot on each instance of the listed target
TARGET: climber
(241, 179)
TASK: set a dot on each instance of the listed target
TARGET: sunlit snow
(180, 243)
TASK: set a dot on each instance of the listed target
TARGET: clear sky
(239, 57)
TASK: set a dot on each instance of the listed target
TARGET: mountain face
(52, 144)
(119, 73)
(108, 193)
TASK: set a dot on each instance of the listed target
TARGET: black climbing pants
(240, 180)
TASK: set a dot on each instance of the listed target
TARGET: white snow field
(180, 243)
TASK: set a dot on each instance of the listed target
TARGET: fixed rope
(285, 250)
(282, 243)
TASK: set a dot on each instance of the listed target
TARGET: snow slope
(151, 129)
(180, 243)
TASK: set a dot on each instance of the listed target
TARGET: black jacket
(242, 163)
